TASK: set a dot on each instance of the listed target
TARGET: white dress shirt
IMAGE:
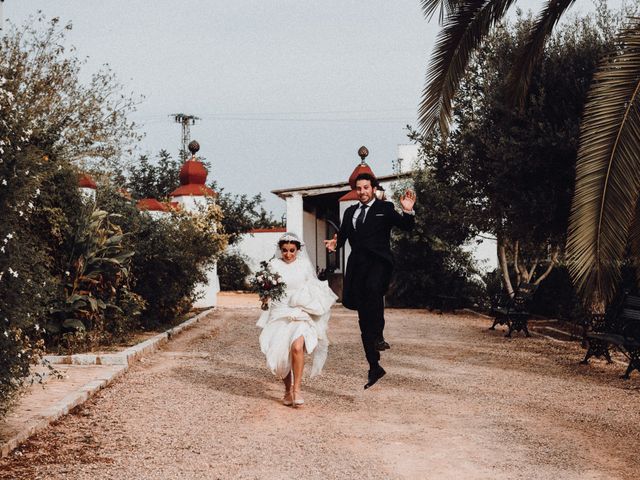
(357, 212)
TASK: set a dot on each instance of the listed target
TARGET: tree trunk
(504, 267)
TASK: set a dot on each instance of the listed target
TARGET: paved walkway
(458, 402)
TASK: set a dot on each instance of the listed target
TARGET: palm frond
(461, 35)
(634, 242)
(446, 8)
(520, 76)
(607, 172)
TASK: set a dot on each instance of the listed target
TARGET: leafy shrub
(429, 260)
(49, 119)
(29, 237)
(172, 256)
(96, 304)
(233, 271)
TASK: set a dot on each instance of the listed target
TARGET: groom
(367, 226)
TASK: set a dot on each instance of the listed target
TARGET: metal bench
(620, 328)
(513, 311)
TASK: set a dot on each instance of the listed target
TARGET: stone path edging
(120, 361)
(126, 356)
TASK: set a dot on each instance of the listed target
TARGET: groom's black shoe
(382, 345)
(375, 374)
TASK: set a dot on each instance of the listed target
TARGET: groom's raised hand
(332, 244)
(408, 200)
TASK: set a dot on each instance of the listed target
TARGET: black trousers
(370, 279)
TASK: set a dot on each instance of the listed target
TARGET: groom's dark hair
(367, 176)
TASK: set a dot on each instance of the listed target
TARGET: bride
(296, 323)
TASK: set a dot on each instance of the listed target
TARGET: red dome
(193, 176)
(151, 204)
(85, 181)
(193, 172)
(361, 168)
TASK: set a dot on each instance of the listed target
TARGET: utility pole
(185, 120)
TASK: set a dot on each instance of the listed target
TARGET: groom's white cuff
(409, 212)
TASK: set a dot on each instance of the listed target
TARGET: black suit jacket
(371, 241)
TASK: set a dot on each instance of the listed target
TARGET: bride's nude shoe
(297, 398)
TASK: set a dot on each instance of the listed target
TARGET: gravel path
(458, 402)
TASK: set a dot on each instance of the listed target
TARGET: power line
(306, 112)
(156, 120)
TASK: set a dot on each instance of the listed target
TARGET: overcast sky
(287, 91)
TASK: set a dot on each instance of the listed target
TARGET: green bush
(29, 234)
(95, 305)
(49, 119)
(72, 273)
(233, 271)
(171, 254)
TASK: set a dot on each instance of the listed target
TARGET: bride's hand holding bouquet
(268, 285)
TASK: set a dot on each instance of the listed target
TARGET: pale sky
(287, 91)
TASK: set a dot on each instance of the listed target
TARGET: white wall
(295, 214)
(258, 247)
(209, 291)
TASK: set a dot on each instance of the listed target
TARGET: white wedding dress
(304, 311)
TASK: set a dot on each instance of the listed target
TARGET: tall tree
(606, 194)
(514, 168)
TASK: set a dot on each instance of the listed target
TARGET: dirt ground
(458, 402)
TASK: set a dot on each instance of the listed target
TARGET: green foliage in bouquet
(267, 284)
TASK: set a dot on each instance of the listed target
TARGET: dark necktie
(360, 219)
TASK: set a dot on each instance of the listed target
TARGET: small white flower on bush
(13, 272)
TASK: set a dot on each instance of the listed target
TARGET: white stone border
(122, 360)
(126, 356)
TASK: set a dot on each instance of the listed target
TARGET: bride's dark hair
(283, 242)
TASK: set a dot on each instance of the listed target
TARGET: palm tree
(608, 164)
(604, 213)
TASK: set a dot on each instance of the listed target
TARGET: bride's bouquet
(268, 284)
